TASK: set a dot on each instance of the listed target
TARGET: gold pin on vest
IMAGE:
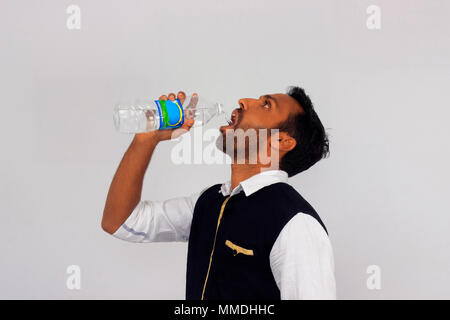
(237, 249)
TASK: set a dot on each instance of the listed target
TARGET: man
(253, 237)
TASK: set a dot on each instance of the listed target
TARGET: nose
(243, 104)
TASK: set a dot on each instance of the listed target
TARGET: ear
(285, 142)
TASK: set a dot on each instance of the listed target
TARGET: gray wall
(383, 94)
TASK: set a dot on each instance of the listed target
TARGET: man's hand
(166, 134)
(126, 188)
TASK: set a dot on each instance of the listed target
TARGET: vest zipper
(214, 243)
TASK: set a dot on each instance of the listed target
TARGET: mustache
(240, 115)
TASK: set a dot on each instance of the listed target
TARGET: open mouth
(234, 118)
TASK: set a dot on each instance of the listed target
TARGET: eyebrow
(268, 96)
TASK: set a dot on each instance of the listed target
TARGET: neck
(241, 172)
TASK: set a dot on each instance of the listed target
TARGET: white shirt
(301, 258)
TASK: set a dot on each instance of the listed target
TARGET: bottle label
(171, 114)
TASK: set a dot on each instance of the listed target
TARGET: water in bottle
(165, 114)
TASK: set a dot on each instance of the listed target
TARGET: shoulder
(303, 225)
(208, 196)
(213, 190)
(302, 235)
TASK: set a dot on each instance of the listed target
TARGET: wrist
(147, 137)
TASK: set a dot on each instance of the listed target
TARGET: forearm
(126, 187)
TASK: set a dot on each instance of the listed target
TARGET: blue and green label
(171, 113)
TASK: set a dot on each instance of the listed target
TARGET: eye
(267, 104)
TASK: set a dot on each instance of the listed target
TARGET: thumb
(187, 125)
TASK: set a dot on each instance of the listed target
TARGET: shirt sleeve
(159, 221)
(302, 260)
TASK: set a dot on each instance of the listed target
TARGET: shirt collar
(256, 182)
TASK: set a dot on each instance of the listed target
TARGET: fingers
(188, 123)
(189, 108)
(193, 102)
(175, 133)
(172, 96)
(167, 134)
(182, 96)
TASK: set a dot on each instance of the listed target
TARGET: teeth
(232, 119)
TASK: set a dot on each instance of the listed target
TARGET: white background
(382, 94)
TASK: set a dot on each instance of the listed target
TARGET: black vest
(248, 228)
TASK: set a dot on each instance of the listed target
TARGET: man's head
(302, 140)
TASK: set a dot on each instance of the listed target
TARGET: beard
(240, 144)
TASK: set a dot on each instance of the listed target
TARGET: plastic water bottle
(164, 114)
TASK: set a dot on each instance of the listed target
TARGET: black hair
(309, 133)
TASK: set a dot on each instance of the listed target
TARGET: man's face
(265, 112)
